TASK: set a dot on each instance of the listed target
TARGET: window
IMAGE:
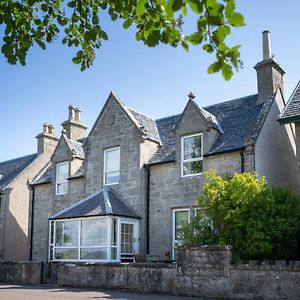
(180, 216)
(191, 155)
(62, 174)
(111, 166)
(92, 239)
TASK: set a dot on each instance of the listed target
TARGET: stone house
(14, 196)
(291, 115)
(126, 187)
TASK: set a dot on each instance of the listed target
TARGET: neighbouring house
(127, 187)
(290, 115)
(14, 196)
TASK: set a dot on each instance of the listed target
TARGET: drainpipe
(242, 161)
(31, 221)
(147, 208)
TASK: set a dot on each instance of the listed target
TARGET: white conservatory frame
(109, 219)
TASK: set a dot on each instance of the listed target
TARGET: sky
(154, 81)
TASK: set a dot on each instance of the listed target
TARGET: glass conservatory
(98, 228)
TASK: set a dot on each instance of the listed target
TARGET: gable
(62, 151)
(144, 125)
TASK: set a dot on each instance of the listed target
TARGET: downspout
(242, 161)
(147, 209)
(31, 221)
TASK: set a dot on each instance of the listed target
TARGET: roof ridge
(168, 117)
(231, 100)
(12, 159)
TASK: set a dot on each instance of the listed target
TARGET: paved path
(26, 292)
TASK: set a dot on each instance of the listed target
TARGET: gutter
(287, 120)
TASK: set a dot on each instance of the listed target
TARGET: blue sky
(155, 81)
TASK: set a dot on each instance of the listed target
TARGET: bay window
(191, 155)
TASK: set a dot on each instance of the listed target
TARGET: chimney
(75, 130)
(269, 73)
(46, 141)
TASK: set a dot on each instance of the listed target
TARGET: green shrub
(258, 221)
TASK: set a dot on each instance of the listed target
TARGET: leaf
(229, 9)
(44, 7)
(177, 4)
(236, 20)
(127, 23)
(184, 10)
(140, 7)
(227, 71)
(196, 6)
(208, 48)
(95, 19)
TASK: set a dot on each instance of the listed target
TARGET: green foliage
(258, 221)
(77, 22)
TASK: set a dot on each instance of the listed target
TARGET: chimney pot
(51, 129)
(45, 128)
(71, 112)
(77, 114)
(266, 45)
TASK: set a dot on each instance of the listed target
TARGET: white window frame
(60, 182)
(173, 226)
(191, 159)
(104, 166)
(108, 246)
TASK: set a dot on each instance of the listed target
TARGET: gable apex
(145, 125)
(210, 118)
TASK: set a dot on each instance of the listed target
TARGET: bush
(258, 221)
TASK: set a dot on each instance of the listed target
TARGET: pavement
(44, 292)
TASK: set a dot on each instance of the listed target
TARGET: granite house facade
(126, 187)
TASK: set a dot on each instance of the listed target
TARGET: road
(24, 292)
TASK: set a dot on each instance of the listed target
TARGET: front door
(128, 241)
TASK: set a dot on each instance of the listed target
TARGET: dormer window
(191, 155)
(62, 174)
(111, 166)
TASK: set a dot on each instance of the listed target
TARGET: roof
(240, 120)
(10, 169)
(44, 176)
(102, 203)
(291, 112)
(148, 123)
(76, 148)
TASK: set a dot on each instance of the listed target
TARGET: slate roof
(44, 176)
(291, 111)
(102, 203)
(240, 120)
(148, 123)
(10, 169)
(76, 148)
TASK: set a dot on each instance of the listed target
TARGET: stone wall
(203, 271)
(200, 271)
(169, 191)
(20, 272)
